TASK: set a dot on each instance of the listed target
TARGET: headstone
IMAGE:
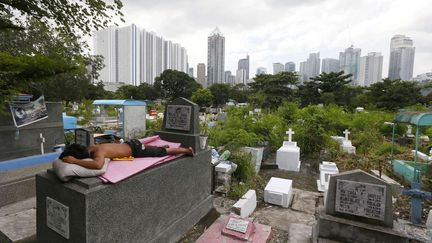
(278, 191)
(84, 137)
(246, 205)
(346, 144)
(360, 196)
(326, 170)
(409, 133)
(288, 156)
(181, 123)
(429, 220)
(358, 208)
(257, 156)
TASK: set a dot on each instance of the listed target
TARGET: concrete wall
(26, 143)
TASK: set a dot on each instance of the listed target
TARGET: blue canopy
(69, 122)
(120, 102)
(415, 118)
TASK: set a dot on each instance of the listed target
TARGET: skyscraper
(330, 65)
(278, 68)
(241, 76)
(402, 54)
(191, 72)
(311, 67)
(244, 64)
(261, 70)
(132, 56)
(290, 67)
(370, 69)
(201, 77)
(349, 61)
(227, 76)
(215, 57)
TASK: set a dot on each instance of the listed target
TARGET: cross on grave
(416, 199)
(346, 132)
(290, 132)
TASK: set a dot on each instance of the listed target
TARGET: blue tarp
(120, 102)
(69, 122)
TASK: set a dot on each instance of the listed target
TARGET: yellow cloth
(130, 158)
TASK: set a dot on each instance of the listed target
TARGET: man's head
(76, 150)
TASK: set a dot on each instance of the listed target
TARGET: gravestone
(181, 123)
(326, 170)
(358, 207)
(278, 191)
(288, 156)
(346, 144)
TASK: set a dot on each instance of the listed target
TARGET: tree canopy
(203, 97)
(173, 84)
(221, 93)
(270, 91)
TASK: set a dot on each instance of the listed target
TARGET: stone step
(18, 222)
(300, 233)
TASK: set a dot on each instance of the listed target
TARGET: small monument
(346, 144)
(288, 156)
(181, 123)
(358, 207)
(279, 192)
(326, 170)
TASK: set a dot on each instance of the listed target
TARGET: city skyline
(335, 26)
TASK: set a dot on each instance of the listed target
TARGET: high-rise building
(349, 61)
(370, 70)
(215, 57)
(241, 76)
(261, 70)
(201, 77)
(402, 54)
(132, 56)
(290, 67)
(191, 72)
(330, 65)
(105, 44)
(311, 67)
(227, 76)
(244, 64)
(278, 68)
(424, 77)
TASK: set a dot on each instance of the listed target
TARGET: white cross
(42, 141)
(346, 132)
(290, 133)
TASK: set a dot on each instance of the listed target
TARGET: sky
(287, 30)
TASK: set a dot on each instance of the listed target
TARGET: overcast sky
(287, 30)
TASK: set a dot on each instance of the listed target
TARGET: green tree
(240, 93)
(203, 97)
(69, 17)
(332, 82)
(173, 84)
(394, 94)
(273, 90)
(142, 92)
(220, 93)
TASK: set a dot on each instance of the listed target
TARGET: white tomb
(288, 156)
(346, 145)
(421, 156)
(246, 205)
(326, 170)
(279, 192)
(409, 133)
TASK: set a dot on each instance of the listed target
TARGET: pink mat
(120, 170)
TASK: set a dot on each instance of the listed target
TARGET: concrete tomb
(246, 205)
(233, 229)
(278, 191)
(288, 156)
(358, 207)
(346, 145)
(326, 170)
(156, 205)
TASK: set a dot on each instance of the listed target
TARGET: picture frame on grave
(57, 217)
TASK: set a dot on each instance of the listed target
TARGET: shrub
(245, 170)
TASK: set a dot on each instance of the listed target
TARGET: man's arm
(96, 163)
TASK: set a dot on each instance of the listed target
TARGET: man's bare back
(99, 152)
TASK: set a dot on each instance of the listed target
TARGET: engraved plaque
(361, 199)
(237, 225)
(57, 217)
(178, 117)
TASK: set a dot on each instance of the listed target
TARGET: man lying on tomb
(78, 154)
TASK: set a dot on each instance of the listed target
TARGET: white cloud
(287, 30)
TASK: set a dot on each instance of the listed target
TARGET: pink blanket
(120, 170)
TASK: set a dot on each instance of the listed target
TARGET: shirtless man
(75, 153)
